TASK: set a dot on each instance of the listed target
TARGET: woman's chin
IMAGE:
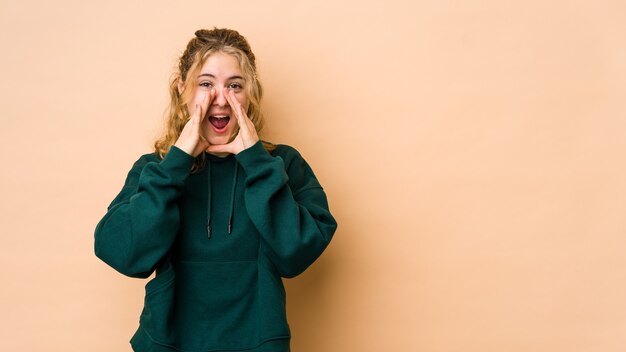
(218, 140)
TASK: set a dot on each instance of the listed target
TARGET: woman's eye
(206, 84)
(234, 86)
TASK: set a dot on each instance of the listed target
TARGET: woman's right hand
(191, 139)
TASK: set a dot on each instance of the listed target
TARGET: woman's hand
(191, 139)
(247, 135)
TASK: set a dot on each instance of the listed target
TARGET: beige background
(473, 153)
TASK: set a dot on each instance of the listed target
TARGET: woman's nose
(220, 97)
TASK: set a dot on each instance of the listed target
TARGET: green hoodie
(220, 240)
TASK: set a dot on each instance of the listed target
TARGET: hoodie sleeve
(142, 221)
(288, 206)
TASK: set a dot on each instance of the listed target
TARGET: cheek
(244, 101)
(196, 98)
(198, 95)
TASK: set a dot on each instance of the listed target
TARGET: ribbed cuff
(255, 154)
(177, 162)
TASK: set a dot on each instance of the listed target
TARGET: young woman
(218, 214)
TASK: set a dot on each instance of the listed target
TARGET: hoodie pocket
(161, 281)
(157, 313)
(208, 306)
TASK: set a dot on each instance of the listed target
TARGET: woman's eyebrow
(212, 76)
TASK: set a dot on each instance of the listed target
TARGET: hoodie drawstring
(208, 199)
(232, 199)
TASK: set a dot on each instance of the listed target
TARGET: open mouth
(219, 121)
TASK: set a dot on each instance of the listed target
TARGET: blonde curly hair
(204, 44)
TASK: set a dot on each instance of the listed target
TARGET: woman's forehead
(221, 65)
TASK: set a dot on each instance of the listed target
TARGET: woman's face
(220, 72)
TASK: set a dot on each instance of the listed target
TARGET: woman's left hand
(247, 135)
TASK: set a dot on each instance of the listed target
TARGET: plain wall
(472, 151)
